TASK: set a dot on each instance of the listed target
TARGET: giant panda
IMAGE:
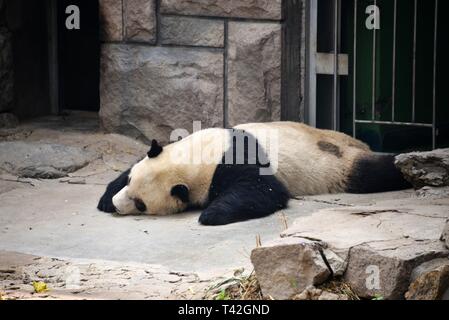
(232, 176)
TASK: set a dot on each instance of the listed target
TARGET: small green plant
(378, 297)
(223, 295)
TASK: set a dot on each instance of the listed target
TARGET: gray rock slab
(192, 31)
(346, 227)
(254, 72)
(258, 9)
(140, 20)
(61, 220)
(147, 92)
(425, 168)
(389, 238)
(111, 20)
(40, 160)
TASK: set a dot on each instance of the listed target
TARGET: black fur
(239, 192)
(155, 150)
(112, 189)
(181, 192)
(376, 173)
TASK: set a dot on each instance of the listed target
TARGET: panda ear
(180, 191)
(155, 150)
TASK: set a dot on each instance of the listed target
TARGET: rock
(430, 192)
(73, 181)
(254, 72)
(39, 160)
(8, 120)
(425, 168)
(111, 20)
(192, 31)
(445, 234)
(384, 268)
(286, 267)
(389, 239)
(147, 92)
(336, 263)
(347, 227)
(429, 281)
(257, 9)
(140, 20)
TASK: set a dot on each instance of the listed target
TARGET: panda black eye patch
(140, 205)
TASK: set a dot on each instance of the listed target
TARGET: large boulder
(286, 267)
(147, 92)
(40, 160)
(425, 168)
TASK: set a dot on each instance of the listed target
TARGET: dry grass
(283, 221)
(246, 289)
(236, 288)
(339, 287)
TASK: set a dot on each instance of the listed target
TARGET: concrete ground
(58, 219)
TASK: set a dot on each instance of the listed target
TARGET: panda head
(154, 187)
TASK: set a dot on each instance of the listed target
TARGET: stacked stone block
(167, 63)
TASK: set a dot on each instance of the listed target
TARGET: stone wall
(167, 63)
(6, 63)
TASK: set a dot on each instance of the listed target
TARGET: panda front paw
(105, 204)
(208, 218)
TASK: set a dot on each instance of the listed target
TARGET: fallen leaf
(40, 286)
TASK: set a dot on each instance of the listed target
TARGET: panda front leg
(245, 199)
(105, 204)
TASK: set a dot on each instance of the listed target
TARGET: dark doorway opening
(26, 21)
(79, 57)
(54, 68)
